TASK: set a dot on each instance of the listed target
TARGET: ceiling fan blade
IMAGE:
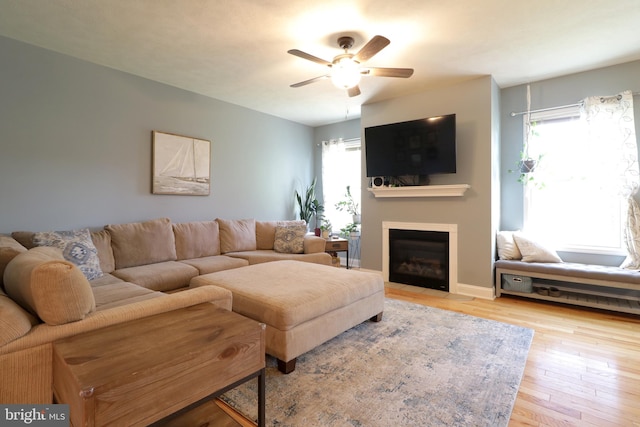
(388, 72)
(353, 91)
(310, 57)
(313, 80)
(375, 45)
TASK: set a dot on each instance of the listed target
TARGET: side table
(139, 372)
(337, 245)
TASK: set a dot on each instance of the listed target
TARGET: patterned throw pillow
(77, 248)
(290, 239)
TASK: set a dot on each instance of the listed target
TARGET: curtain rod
(577, 104)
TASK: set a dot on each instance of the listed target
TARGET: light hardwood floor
(583, 367)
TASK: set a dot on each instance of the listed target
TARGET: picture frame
(181, 165)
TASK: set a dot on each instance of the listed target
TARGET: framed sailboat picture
(181, 165)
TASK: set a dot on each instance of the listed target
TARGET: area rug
(419, 366)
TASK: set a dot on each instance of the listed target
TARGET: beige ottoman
(302, 304)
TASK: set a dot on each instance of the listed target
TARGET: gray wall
(473, 103)
(75, 147)
(552, 93)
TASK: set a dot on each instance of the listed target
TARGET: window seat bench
(587, 285)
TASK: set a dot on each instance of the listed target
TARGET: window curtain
(611, 125)
(340, 167)
(333, 153)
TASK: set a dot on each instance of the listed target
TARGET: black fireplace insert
(419, 258)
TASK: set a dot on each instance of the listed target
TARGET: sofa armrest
(43, 333)
(314, 244)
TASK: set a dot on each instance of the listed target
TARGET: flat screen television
(417, 147)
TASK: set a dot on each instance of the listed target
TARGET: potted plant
(350, 230)
(325, 228)
(309, 206)
(350, 206)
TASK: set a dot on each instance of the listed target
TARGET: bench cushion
(569, 269)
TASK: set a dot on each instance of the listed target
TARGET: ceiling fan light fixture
(345, 73)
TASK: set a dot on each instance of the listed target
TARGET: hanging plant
(526, 165)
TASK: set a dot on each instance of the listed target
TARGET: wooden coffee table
(146, 370)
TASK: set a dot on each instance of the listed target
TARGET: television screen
(418, 147)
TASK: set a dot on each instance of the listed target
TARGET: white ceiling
(236, 50)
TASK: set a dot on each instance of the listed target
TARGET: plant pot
(528, 165)
(326, 233)
(354, 234)
(356, 219)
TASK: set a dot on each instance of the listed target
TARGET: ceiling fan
(346, 68)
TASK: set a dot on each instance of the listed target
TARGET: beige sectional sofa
(45, 297)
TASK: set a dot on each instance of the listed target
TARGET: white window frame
(566, 112)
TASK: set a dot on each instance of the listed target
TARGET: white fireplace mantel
(421, 191)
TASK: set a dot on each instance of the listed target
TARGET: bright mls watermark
(34, 415)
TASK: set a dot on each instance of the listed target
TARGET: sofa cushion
(161, 276)
(260, 256)
(77, 248)
(14, 320)
(121, 293)
(210, 264)
(237, 235)
(142, 243)
(290, 239)
(197, 239)
(105, 279)
(102, 241)
(9, 248)
(266, 232)
(55, 290)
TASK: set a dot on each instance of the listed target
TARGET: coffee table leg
(261, 398)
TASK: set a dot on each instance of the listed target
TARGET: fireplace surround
(417, 258)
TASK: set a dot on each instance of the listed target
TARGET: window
(340, 168)
(572, 201)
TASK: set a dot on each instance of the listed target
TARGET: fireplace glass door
(419, 258)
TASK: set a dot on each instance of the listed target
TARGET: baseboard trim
(476, 291)
(461, 289)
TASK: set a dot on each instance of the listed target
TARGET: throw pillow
(533, 251)
(507, 248)
(77, 248)
(237, 235)
(290, 239)
(266, 232)
(47, 285)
